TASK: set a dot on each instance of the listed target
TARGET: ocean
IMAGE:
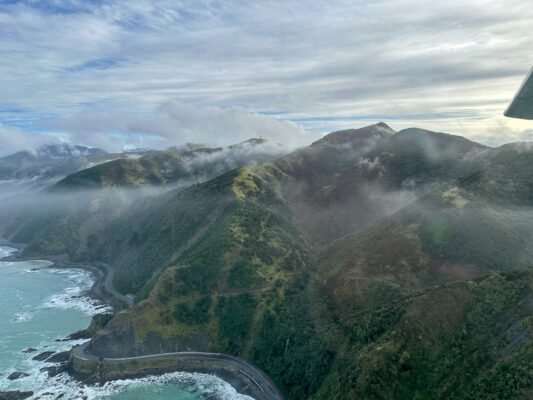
(39, 304)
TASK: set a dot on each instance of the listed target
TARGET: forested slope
(371, 264)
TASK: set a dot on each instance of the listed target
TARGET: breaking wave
(6, 251)
(204, 385)
(74, 296)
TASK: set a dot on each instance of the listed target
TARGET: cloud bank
(449, 66)
(13, 140)
(175, 123)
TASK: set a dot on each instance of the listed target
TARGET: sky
(143, 73)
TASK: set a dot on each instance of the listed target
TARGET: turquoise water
(40, 304)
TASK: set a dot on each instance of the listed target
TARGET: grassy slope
(165, 167)
(347, 329)
(468, 340)
(409, 308)
(297, 266)
(250, 297)
(243, 281)
(73, 215)
(134, 172)
(67, 224)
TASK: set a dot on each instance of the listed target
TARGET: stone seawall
(244, 378)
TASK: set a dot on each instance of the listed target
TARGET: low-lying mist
(29, 207)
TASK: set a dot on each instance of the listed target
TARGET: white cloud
(450, 65)
(13, 140)
(176, 123)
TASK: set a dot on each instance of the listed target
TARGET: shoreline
(17, 246)
(244, 377)
(97, 290)
(215, 364)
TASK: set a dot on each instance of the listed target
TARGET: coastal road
(108, 284)
(257, 376)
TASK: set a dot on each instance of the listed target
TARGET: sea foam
(22, 317)
(6, 251)
(207, 385)
(74, 296)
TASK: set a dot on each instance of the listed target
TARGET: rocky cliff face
(119, 339)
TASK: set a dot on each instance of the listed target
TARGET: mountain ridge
(164, 167)
(382, 254)
(49, 154)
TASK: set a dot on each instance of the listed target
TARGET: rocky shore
(243, 377)
(96, 292)
(15, 395)
(99, 372)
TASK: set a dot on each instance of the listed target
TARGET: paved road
(257, 376)
(108, 284)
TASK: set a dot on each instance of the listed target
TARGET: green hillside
(369, 265)
(70, 217)
(174, 166)
(470, 340)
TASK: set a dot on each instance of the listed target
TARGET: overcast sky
(155, 73)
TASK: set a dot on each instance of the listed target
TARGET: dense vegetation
(369, 265)
(447, 342)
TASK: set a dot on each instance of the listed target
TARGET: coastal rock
(29, 350)
(83, 334)
(118, 339)
(44, 395)
(17, 375)
(54, 370)
(15, 395)
(59, 357)
(43, 356)
(98, 322)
